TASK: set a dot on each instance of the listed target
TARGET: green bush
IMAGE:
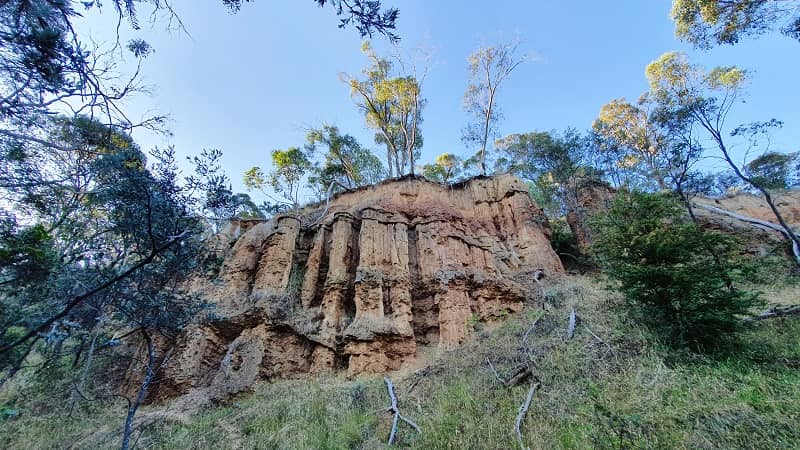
(677, 279)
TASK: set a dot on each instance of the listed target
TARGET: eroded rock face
(592, 197)
(386, 271)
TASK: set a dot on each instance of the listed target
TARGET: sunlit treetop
(706, 23)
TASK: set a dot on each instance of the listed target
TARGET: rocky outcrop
(758, 240)
(364, 285)
(592, 196)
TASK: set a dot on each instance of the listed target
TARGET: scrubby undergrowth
(627, 394)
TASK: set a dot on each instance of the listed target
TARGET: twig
(397, 416)
(420, 374)
(610, 349)
(521, 373)
(528, 332)
(571, 326)
(496, 375)
(523, 409)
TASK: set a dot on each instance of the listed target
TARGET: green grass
(639, 395)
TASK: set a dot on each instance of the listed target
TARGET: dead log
(523, 409)
(776, 311)
(571, 326)
(396, 410)
(521, 373)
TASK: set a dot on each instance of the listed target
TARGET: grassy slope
(637, 396)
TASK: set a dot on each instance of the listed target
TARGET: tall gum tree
(390, 97)
(706, 97)
(489, 66)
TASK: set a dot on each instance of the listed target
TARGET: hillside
(607, 387)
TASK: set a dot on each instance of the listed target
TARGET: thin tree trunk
(389, 160)
(142, 394)
(488, 118)
(787, 230)
(87, 366)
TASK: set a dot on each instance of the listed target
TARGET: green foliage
(630, 138)
(366, 15)
(106, 234)
(444, 169)
(706, 23)
(772, 170)
(26, 253)
(345, 161)
(678, 279)
(678, 84)
(637, 396)
(288, 169)
(566, 246)
(391, 100)
(554, 163)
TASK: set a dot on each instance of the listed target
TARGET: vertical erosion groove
(354, 253)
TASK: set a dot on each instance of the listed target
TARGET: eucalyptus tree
(774, 170)
(445, 168)
(556, 164)
(704, 98)
(489, 66)
(289, 168)
(344, 161)
(96, 242)
(634, 142)
(706, 23)
(390, 97)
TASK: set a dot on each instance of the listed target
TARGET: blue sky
(254, 81)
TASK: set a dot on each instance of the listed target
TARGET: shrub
(677, 279)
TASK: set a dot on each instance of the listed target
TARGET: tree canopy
(390, 97)
(489, 66)
(706, 23)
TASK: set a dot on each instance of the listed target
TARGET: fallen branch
(776, 311)
(527, 333)
(610, 349)
(523, 409)
(496, 375)
(521, 373)
(571, 326)
(419, 374)
(397, 416)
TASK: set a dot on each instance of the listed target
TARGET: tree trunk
(142, 394)
(488, 118)
(389, 160)
(87, 366)
(787, 230)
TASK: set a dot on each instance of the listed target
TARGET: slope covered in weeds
(607, 387)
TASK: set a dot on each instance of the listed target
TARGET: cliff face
(385, 272)
(592, 197)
